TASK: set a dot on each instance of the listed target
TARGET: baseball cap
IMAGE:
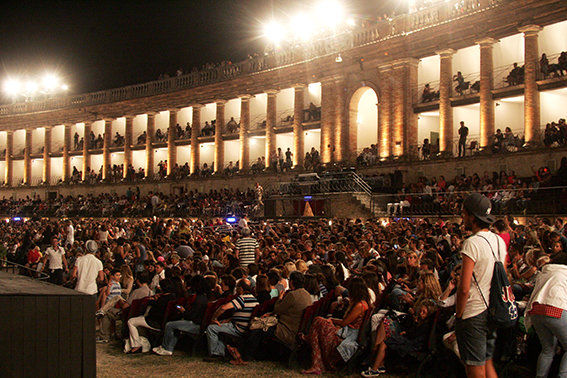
(479, 206)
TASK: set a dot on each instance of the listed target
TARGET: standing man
(259, 192)
(475, 337)
(463, 134)
(88, 269)
(57, 261)
(70, 233)
(247, 248)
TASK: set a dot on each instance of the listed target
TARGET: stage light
(50, 82)
(12, 86)
(351, 22)
(330, 13)
(274, 32)
(231, 220)
(302, 27)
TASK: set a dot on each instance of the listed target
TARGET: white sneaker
(162, 352)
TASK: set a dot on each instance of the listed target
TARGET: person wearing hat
(87, 269)
(476, 339)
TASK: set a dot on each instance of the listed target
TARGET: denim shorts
(476, 339)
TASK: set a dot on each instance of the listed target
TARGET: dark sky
(97, 45)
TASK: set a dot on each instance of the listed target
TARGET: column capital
(404, 62)
(446, 52)
(299, 85)
(220, 101)
(272, 92)
(174, 109)
(529, 30)
(129, 116)
(486, 42)
(245, 97)
(152, 113)
(385, 67)
(197, 106)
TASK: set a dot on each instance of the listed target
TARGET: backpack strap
(495, 259)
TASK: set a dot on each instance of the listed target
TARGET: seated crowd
(343, 292)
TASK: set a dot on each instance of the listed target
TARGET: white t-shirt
(70, 234)
(55, 257)
(477, 249)
(88, 267)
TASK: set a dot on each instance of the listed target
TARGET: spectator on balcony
(429, 94)
(562, 62)
(544, 65)
(99, 141)
(314, 112)
(159, 135)
(76, 141)
(516, 76)
(208, 129)
(187, 132)
(426, 149)
(462, 85)
(497, 141)
(232, 126)
(463, 134)
(142, 138)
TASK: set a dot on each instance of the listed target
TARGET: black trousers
(56, 277)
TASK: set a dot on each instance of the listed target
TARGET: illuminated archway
(363, 119)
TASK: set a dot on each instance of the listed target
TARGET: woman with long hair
(126, 280)
(334, 339)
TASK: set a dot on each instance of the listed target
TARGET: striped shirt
(247, 251)
(115, 290)
(243, 306)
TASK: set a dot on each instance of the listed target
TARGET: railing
(400, 25)
(12, 267)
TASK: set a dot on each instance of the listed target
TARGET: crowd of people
(132, 204)
(370, 291)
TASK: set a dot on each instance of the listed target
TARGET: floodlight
(302, 27)
(50, 82)
(274, 32)
(12, 86)
(330, 13)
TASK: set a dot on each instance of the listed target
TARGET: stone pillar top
(245, 97)
(299, 85)
(332, 79)
(486, 42)
(530, 29)
(220, 101)
(197, 106)
(446, 52)
(404, 61)
(385, 66)
(272, 92)
(151, 113)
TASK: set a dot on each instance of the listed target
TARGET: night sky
(98, 45)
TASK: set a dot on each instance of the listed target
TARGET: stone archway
(363, 119)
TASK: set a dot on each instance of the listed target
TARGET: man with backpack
(476, 333)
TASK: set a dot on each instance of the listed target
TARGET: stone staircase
(370, 204)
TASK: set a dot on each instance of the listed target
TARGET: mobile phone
(178, 307)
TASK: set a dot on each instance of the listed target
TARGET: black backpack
(502, 309)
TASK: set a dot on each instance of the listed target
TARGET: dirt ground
(111, 362)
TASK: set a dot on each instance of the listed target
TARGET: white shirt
(88, 267)
(55, 257)
(70, 234)
(550, 288)
(478, 250)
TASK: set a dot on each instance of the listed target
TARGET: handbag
(263, 323)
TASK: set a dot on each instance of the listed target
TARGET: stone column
(445, 109)
(531, 92)
(244, 129)
(66, 153)
(385, 111)
(270, 124)
(107, 141)
(46, 174)
(8, 181)
(486, 86)
(195, 133)
(27, 157)
(219, 142)
(128, 133)
(86, 147)
(298, 134)
(404, 125)
(341, 145)
(171, 136)
(150, 154)
(328, 103)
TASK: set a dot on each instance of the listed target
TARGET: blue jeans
(170, 336)
(216, 346)
(550, 330)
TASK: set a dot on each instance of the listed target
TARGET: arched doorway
(363, 120)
